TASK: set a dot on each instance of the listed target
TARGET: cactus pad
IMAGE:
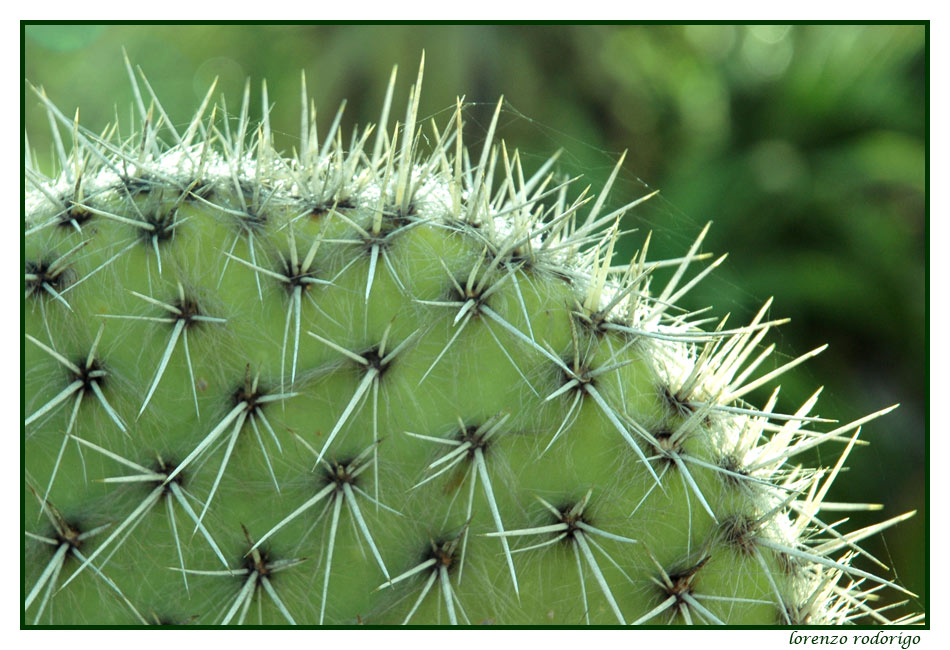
(389, 379)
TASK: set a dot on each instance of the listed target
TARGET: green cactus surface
(384, 378)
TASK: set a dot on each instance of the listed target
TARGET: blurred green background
(805, 144)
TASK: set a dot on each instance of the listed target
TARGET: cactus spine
(378, 381)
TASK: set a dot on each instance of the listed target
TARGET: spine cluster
(390, 380)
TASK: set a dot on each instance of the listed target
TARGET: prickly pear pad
(389, 379)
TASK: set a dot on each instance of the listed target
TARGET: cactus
(393, 380)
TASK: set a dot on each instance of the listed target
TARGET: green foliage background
(805, 144)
